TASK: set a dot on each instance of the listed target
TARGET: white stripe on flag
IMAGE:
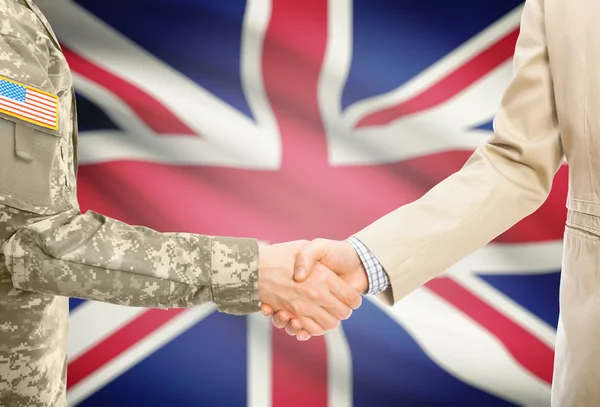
(27, 114)
(339, 369)
(50, 113)
(260, 361)
(42, 100)
(41, 95)
(93, 321)
(142, 349)
(43, 106)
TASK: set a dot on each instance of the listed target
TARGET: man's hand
(317, 304)
(339, 256)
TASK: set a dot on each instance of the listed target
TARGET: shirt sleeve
(376, 275)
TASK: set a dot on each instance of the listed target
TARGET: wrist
(362, 279)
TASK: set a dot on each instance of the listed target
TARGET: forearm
(94, 257)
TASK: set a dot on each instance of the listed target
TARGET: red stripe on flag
(451, 85)
(41, 107)
(24, 107)
(292, 63)
(40, 98)
(299, 371)
(150, 110)
(529, 351)
(117, 343)
(49, 111)
(10, 107)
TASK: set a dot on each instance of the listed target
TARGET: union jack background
(281, 120)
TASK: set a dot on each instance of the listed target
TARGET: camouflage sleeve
(94, 257)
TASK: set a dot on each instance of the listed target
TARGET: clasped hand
(309, 287)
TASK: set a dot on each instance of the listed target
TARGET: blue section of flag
(489, 126)
(204, 366)
(12, 91)
(74, 303)
(538, 293)
(200, 38)
(91, 117)
(391, 369)
(394, 41)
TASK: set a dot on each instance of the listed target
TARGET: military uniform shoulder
(19, 20)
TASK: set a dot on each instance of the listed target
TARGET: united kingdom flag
(282, 120)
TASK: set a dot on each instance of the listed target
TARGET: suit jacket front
(549, 110)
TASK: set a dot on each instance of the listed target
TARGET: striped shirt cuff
(376, 275)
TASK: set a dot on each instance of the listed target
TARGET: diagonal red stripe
(149, 109)
(451, 85)
(529, 351)
(117, 343)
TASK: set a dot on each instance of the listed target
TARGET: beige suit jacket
(551, 109)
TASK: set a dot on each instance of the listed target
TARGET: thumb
(306, 259)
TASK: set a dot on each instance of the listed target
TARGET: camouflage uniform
(50, 251)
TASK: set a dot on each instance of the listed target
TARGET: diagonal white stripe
(505, 305)
(138, 352)
(439, 70)
(466, 350)
(219, 124)
(92, 322)
(512, 258)
(444, 127)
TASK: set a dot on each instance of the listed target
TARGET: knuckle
(299, 307)
(313, 293)
(350, 298)
(295, 324)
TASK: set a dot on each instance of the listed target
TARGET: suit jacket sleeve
(505, 180)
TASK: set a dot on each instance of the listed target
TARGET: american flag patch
(29, 104)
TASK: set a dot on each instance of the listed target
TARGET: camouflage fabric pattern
(51, 251)
(33, 335)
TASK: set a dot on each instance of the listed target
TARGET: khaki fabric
(50, 250)
(549, 111)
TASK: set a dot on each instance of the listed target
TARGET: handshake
(309, 287)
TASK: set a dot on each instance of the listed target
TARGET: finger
(303, 336)
(337, 309)
(281, 319)
(266, 310)
(311, 327)
(323, 318)
(294, 327)
(307, 257)
(345, 293)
